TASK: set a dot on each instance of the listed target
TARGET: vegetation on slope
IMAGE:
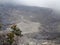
(9, 39)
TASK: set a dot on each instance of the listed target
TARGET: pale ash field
(28, 26)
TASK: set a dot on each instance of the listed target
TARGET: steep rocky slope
(39, 25)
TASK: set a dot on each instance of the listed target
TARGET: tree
(10, 38)
(15, 31)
